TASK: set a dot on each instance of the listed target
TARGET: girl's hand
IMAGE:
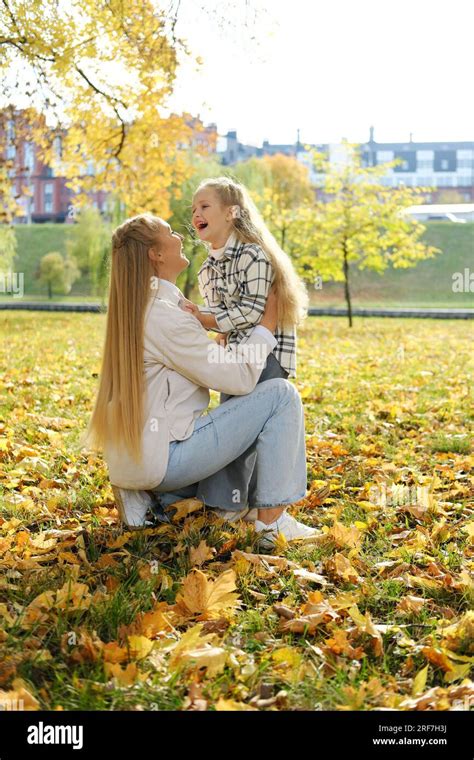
(208, 321)
(189, 306)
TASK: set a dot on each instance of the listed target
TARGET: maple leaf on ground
(88, 648)
(339, 644)
(200, 554)
(344, 536)
(183, 508)
(317, 611)
(340, 567)
(366, 625)
(213, 659)
(139, 647)
(195, 651)
(438, 658)
(317, 496)
(73, 596)
(154, 622)
(114, 653)
(410, 605)
(459, 637)
(124, 676)
(204, 598)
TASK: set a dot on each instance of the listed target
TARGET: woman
(158, 365)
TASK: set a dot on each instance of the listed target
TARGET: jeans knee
(285, 390)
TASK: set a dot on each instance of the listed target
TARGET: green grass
(33, 242)
(427, 285)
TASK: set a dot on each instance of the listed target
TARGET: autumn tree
(8, 203)
(361, 223)
(105, 72)
(281, 188)
(89, 245)
(7, 247)
(57, 273)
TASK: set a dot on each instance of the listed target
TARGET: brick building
(41, 194)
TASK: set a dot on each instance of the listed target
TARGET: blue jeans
(271, 369)
(266, 429)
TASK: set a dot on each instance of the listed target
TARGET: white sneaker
(132, 507)
(285, 524)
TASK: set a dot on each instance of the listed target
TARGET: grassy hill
(33, 242)
(428, 284)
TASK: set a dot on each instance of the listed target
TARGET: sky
(331, 69)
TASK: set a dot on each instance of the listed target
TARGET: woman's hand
(221, 338)
(270, 315)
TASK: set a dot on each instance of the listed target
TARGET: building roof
(420, 145)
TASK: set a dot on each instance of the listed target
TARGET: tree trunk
(190, 274)
(347, 292)
(188, 283)
(50, 290)
(187, 287)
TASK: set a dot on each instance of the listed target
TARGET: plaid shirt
(235, 289)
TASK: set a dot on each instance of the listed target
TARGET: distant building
(234, 151)
(448, 167)
(203, 138)
(445, 166)
(42, 195)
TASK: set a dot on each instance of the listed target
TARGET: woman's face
(168, 257)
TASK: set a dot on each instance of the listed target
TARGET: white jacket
(181, 363)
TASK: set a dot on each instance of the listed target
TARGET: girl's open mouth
(201, 225)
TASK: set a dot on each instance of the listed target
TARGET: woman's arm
(180, 342)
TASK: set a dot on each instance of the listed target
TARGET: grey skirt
(238, 477)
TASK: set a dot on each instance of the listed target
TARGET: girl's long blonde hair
(118, 411)
(250, 227)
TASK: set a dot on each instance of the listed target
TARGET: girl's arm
(207, 320)
(255, 275)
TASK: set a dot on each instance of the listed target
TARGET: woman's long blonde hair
(118, 412)
(250, 227)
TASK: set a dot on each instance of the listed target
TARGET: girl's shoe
(285, 524)
(133, 506)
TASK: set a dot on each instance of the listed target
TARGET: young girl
(244, 261)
